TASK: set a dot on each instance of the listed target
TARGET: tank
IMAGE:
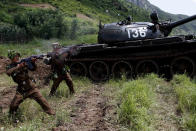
(131, 31)
(132, 49)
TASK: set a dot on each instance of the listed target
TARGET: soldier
(129, 20)
(155, 20)
(60, 72)
(26, 89)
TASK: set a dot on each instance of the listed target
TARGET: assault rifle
(28, 61)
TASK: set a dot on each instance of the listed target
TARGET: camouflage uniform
(25, 89)
(60, 73)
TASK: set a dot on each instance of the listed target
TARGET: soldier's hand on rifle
(21, 65)
(33, 59)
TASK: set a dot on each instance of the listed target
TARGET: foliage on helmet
(12, 54)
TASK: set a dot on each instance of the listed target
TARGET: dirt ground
(3, 62)
(165, 113)
(82, 16)
(88, 111)
(43, 6)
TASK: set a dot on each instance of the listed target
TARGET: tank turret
(127, 30)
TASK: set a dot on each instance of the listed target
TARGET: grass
(36, 46)
(135, 103)
(185, 89)
(40, 46)
(132, 102)
(31, 117)
(136, 99)
(6, 81)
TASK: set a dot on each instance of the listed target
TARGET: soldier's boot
(55, 85)
(69, 83)
(50, 112)
(71, 88)
(42, 101)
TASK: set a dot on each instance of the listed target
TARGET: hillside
(183, 29)
(23, 20)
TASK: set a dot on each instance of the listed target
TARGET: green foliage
(42, 23)
(62, 117)
(186, 93)
(34, 22)
(62, 91)
(5, 17)
(10, 32)
(35, 46)
(136, 99)
(73, 30)
(115, 7)
(5, 80)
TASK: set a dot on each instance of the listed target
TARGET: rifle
(28, 61)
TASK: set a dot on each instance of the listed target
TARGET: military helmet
(56, 45)
(12, 54)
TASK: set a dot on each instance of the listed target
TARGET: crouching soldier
(26, 89)
(60, 71)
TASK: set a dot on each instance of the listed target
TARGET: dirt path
(165, 111)
(43, 6)
(88, 111)
(3, 62)
(6, 97)
(82, 16)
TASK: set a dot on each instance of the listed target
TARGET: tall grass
(185, 89)
(133, 101)
(136, 98)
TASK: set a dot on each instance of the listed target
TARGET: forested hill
(186, 28)
(105, 10)
(24, 19)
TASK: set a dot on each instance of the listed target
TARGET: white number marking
(137, 32)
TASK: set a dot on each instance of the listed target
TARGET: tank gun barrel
(183, 21)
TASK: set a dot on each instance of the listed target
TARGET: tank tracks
(164, 56)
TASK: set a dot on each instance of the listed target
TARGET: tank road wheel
(78, 69)
(183, 65)
(99, 71)
(146, 67)
(122, 68)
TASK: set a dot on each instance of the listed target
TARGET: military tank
(130, 49)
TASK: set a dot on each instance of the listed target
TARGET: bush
(42, 23)
(73, 31)
(10, 32)
(136, 99)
